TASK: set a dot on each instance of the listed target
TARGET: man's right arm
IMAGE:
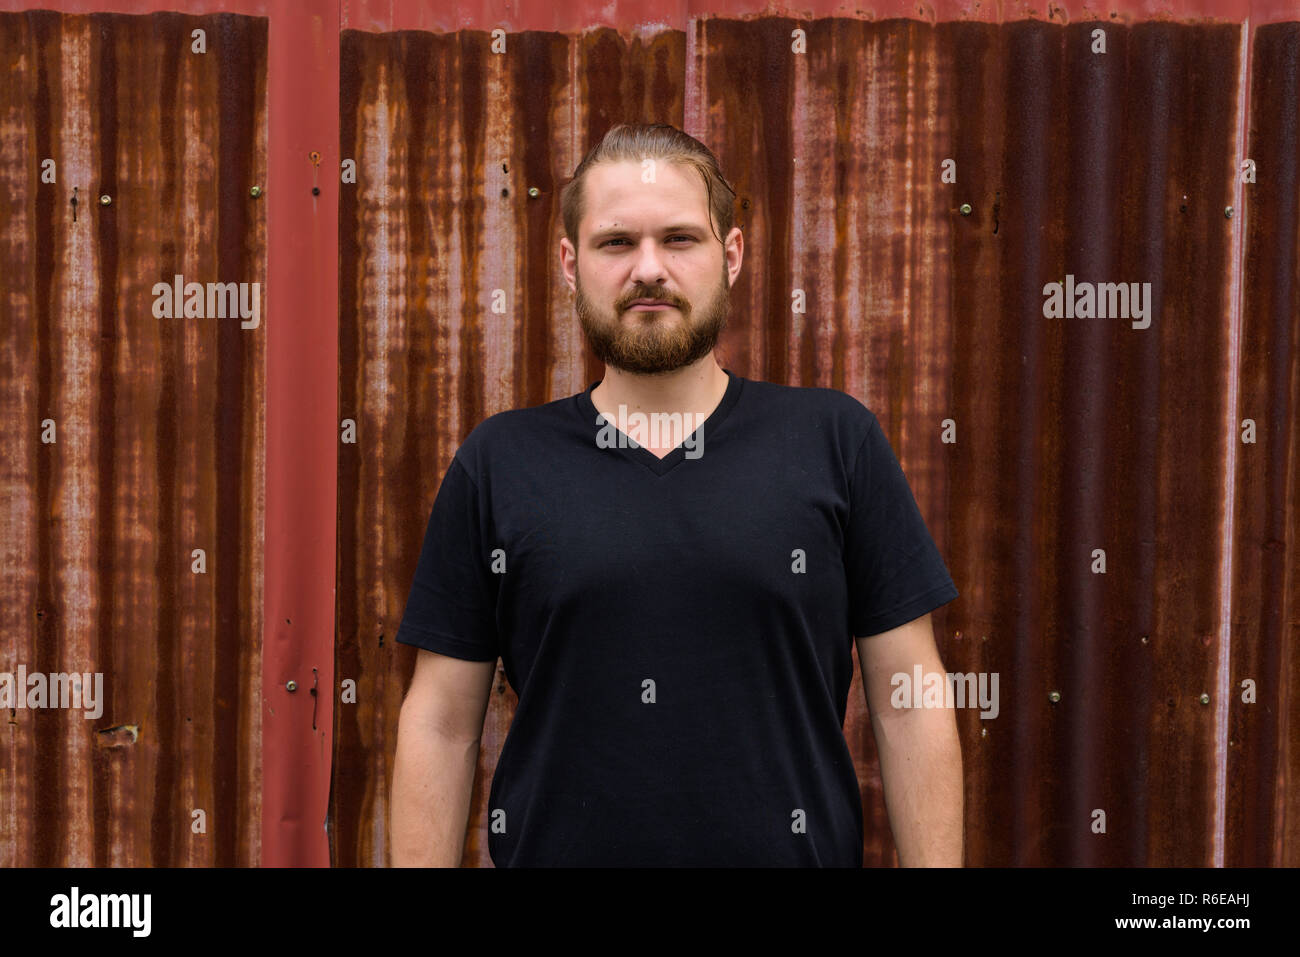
(438, 736)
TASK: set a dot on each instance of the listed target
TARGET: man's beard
(645, 345)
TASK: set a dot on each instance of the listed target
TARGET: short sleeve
(451, 608)
(893, 568)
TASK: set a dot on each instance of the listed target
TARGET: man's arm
(920, 753)
(438, 736)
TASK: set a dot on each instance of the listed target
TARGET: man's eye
(689, 239)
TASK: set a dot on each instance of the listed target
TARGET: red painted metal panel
(302, 435)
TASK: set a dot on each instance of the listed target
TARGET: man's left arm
(920, 753)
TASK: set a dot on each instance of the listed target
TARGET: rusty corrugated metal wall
(131, 440)
(1072, 434)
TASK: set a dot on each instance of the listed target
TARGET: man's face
(650, 240)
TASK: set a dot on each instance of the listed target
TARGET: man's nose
(648, 270)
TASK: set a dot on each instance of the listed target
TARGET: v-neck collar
(637, 453)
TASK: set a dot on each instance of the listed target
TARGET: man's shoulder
(828, 408)
(512, 432)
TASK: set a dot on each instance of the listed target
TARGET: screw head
(1205, 699)
(965, 209)
(291, 685)
(105, 200)
(255, 192)
(534, 192)
(1054, 697)
(1228, 212)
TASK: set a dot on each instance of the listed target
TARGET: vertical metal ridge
(1223, 677)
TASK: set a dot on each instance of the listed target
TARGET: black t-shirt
(678, 630)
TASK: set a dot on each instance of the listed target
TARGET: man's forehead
(628, 181)
(615, 196)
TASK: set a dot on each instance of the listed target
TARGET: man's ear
(568, 262)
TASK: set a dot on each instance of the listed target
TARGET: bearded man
(673, 566)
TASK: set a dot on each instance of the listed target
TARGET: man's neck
(692, 392)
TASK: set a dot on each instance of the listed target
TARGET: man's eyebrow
(620, 231)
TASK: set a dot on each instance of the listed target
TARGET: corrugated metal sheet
(159, 426)
(1073, 434)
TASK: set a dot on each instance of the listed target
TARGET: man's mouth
(646, 304)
